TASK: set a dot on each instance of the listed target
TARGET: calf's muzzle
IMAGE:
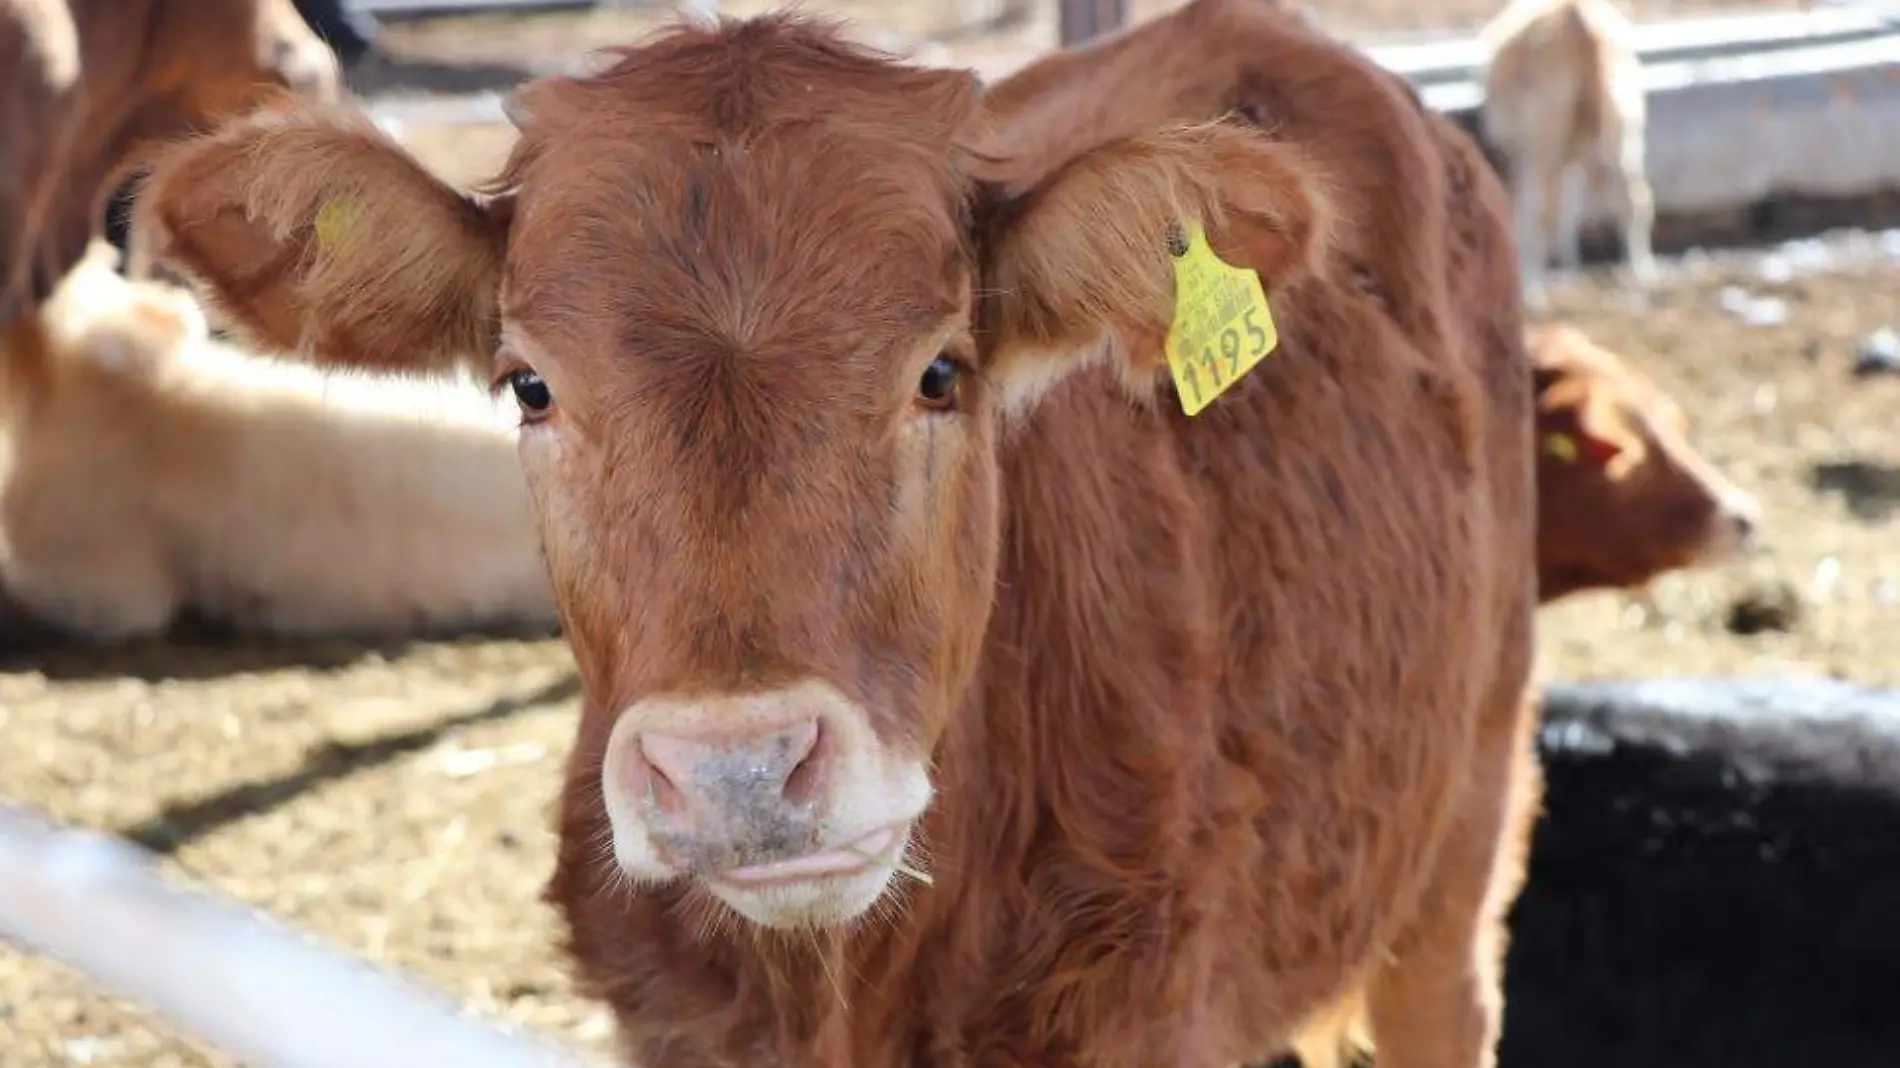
(787, 804)
(721, 799)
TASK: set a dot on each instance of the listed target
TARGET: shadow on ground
(195, 649)
(181, 823)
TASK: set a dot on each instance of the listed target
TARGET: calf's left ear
(1085, 254)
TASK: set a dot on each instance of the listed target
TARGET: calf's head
(767, 309)
(1622, 495)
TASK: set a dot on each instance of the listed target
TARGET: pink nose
(713, 780)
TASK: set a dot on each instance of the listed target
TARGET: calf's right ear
(316, 235)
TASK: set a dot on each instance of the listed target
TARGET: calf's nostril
(651, 782)
(803, 781)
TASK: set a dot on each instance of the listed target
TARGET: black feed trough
(1715, 882)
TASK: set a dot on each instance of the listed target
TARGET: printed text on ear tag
(1221, 324)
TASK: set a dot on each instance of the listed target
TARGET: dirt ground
(396, 801)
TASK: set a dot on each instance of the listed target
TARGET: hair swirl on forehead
(735, 81)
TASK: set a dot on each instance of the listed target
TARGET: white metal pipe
(224, 973)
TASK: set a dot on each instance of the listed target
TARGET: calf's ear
(1082, 256)
(316, 235)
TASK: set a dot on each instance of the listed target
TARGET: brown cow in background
(89, 84)
(1622, 495)
(883, 542)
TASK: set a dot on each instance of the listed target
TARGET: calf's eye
(530, 392)
(938, 387)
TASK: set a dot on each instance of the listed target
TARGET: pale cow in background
(1564, 104)
(146, 469)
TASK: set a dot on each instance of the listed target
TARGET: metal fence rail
(1727, 131)
(220, 972)
(1711, 37)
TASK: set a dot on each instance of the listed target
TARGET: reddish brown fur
(1224, 716)
(92, 83)
(1629, 498)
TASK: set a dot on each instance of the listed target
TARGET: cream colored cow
(1564, 103)
(147, 469)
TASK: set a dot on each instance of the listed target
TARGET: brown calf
(883, 543)
(1622, 495)
(1564, 104)
(89, 84)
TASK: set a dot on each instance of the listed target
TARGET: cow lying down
(147, 469)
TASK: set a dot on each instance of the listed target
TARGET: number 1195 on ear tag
(1222, 326)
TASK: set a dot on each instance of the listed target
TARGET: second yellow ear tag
(1222, 326)
(1562, 446)
(334, 219)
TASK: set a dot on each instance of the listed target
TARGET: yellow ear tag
(333, 220)
(1561, 446)
(1222, 326)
